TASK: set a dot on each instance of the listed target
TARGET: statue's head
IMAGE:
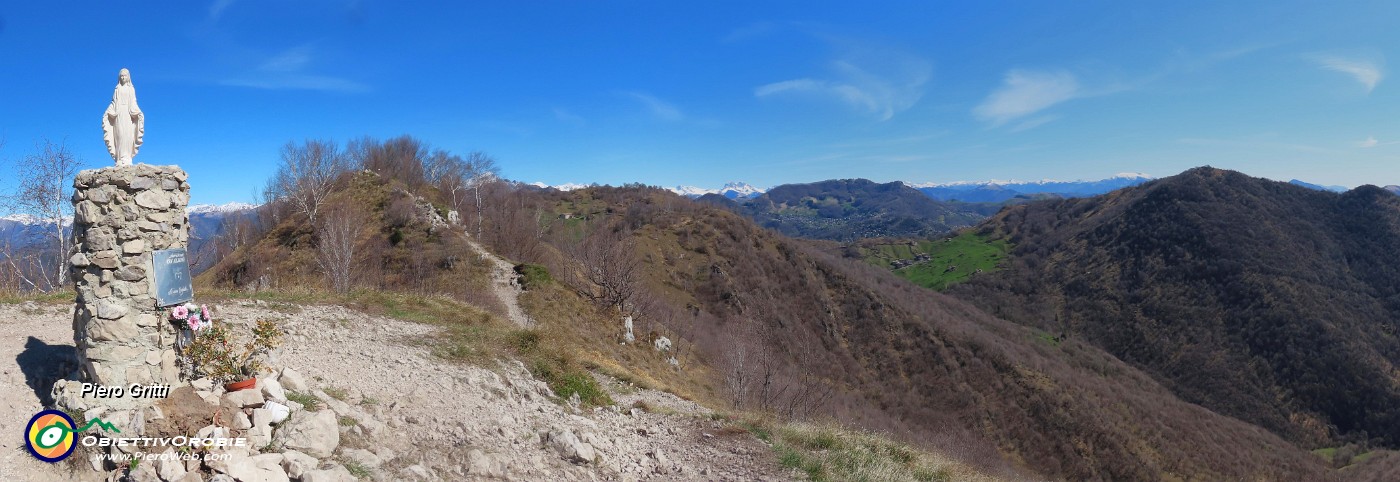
(124, 77)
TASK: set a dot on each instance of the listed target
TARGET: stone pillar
(120, 215)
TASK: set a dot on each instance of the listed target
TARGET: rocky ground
(369, 401)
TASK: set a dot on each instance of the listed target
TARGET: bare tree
(337, 235)
(738, 369)
(307, 174)
(609, 266)
(477, 170)
(44, 192)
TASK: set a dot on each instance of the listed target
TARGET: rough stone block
(131, 273)
(111, 329)
(110, 310)
(153, 199)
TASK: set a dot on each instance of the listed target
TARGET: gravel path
(408, 415)
(505, 285)
(36, 347)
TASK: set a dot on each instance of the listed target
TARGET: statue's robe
(123, 125)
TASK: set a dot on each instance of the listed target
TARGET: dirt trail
(36, 348)
(416, 416)
(504, 284)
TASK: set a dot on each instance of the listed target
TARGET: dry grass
(826, 452)
(55, 298)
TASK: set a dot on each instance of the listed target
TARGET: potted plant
(217, 355)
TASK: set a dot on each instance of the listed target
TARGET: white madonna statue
(123, 125)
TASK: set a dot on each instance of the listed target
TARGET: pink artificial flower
(204, 312)
(193, 322)
(179, 312)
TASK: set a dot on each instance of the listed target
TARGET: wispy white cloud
(748, 31)
(1033, 122)
(881, 82)
(287, 70)
(217, 8)
(563, 115)
(299, 82)
(1025, 92)
(290, 60)
(1371, 141)
(661, 109)
(888, 141)
(1367, 72)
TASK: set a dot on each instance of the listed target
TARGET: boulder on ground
(563, 441)
(314, 433)
(291, 380)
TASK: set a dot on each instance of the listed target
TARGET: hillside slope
(925, 366)
(1272, 303)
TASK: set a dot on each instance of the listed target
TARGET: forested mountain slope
(1269, 302)
(771, 312)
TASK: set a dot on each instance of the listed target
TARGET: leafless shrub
(337, 236)
(307, 175)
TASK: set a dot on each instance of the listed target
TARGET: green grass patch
(1326, 453)
(337, 393)
(567, 379)
(356, 469)
(940, 263)
(305, 399)
(532, 276)
(57, 297)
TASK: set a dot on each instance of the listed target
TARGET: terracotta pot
(241, 385)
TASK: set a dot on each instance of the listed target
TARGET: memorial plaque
(172, 277)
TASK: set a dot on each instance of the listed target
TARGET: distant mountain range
(1001, 191)
(22, 231)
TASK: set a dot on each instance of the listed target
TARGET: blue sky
(700, 93)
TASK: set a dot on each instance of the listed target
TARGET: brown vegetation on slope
(1265, 301)
(900, 359)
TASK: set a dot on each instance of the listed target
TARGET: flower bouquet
(189, 319)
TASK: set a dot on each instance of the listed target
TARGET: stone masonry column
(120, 215)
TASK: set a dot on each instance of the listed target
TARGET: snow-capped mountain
(739, 190)
(731, 190)
(568, 186)
(219, 208)
(691, 191)
(1004, 190)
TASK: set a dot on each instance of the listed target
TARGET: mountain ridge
(1214, 275)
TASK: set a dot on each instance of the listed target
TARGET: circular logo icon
(50, 435)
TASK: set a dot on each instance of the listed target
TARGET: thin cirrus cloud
(1367, 72)
(1371, 141)
(217, 8)
(1026, 92)
(287, 71)
(661, 109)
(873, 85)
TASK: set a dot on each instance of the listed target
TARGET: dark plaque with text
(172, 277)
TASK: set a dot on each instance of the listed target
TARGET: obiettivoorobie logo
(51, 435)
